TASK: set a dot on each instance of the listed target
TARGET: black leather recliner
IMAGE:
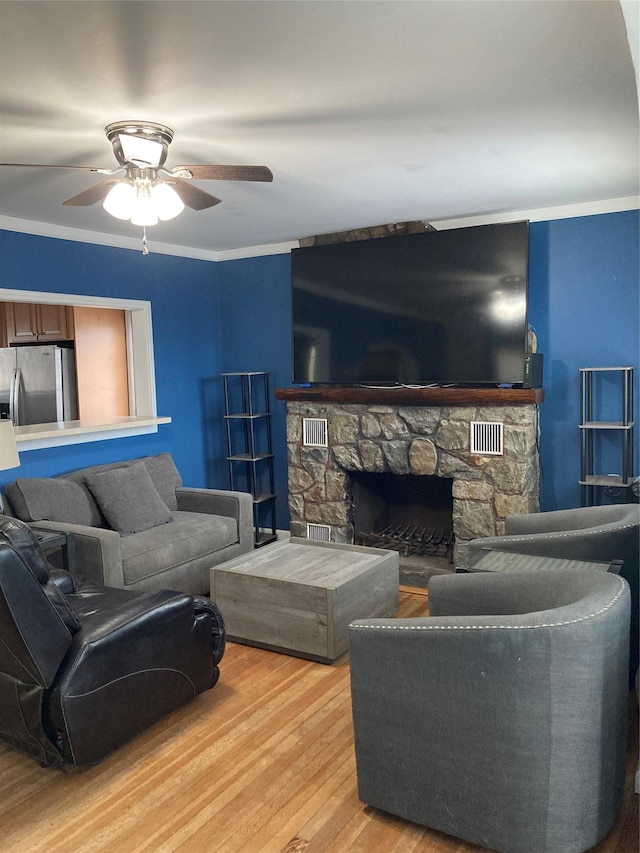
(83, 667)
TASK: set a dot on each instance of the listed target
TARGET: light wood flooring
(263, 762)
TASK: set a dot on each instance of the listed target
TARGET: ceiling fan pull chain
(145, 248)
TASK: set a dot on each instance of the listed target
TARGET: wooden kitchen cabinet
(99, 338)
(101, 363)
(29, 323)
(3, 326)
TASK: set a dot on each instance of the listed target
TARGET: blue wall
(186, 346)
(232, 316)
(255, 334)
(584, 306)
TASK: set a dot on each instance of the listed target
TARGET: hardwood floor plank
(276, 727)
(280, 770)
(236, 758)
(263, 763)
(321, 830)
(378, 833)
(288, 793)
(281, 833)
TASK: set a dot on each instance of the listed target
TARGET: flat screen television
(435, 308)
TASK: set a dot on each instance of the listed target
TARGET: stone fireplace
(424, 433)
(409, 513)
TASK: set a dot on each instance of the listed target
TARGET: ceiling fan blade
(93, 194)
(53, 166)
(225, 173)
(193, 196)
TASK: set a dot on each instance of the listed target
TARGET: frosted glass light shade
(137, 149)
(142, 202)
(8, 448)
(167, 201)
(119, 200)
(144, 209)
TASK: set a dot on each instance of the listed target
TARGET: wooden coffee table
(297, 596)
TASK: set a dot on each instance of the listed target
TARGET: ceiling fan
(148, 191)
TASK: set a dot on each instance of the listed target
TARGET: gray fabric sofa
(500, 718)
(136, 527)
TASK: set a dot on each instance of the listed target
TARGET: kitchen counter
(37, 436)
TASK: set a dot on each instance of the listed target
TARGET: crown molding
(63, 232)
(257, 251)
(99, 238)
(541, 214)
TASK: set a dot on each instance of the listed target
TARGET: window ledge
(38, 436)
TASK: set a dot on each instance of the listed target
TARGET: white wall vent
(319, 532)
(487, 438)
(314, 432)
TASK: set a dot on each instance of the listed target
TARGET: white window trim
(142, 384)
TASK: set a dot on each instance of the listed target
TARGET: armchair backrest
(587, 533)
(33, 636)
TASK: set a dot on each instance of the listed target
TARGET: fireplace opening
(408, 513)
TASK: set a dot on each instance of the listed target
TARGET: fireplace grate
(412, 540)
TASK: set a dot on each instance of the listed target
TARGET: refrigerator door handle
(57, 354)
(14, 397)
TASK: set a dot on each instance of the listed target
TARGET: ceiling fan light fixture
(149, 191)
(144, 210)
(167, 201)
(144, 152)
(139, 143)
(119, 200)
(143, 202)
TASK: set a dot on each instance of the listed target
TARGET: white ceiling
(366, 112)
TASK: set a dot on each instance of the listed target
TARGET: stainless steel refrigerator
(38, 384)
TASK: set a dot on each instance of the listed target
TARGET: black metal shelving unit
(249, 447)
(593, 428)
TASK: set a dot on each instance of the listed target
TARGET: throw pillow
(129, 500)
(165, 477)
(53, 499)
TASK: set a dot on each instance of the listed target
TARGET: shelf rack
(249, 447)
(592, 429)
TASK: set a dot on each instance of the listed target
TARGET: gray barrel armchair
(501, 718)
(603, 533)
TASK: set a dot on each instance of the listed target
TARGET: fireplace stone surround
(413, 433)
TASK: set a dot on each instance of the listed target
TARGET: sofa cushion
(161, 468)
(129, 500)
(190, 536)
(165, 477)
(54, 499)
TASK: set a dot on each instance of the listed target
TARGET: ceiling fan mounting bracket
(149, 131)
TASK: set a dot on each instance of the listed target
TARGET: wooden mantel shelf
(413, 396)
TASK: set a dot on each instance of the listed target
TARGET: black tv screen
(435, 308)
